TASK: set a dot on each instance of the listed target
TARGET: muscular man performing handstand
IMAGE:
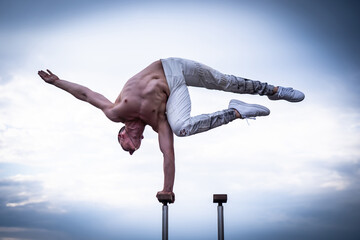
(158, 96)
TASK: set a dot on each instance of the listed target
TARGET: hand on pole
(165, 197)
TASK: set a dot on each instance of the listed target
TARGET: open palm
(48, 77)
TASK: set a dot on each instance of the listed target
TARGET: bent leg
(199, 75)
(181, 73)
(204, 122)
(178, 105)
(178, 108)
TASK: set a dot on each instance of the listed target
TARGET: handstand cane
(220, 199)
(165, 199)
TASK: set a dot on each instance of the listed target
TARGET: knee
(180, 130)
(182, 133)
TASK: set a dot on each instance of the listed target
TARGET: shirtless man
(158, 96)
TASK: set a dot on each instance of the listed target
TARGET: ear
(122, 134)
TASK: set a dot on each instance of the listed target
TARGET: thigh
(200, 75)
(178, 106)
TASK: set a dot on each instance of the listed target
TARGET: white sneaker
(248, 110)
(288, 94)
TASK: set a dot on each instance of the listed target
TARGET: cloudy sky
(292, 175)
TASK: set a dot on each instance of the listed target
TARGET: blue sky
(292, 175)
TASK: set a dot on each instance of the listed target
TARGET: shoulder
(114, 112)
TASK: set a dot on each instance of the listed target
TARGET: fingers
(48, 76)
(42, 73)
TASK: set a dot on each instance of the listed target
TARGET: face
(127, 143)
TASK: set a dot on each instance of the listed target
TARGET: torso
(144, 97)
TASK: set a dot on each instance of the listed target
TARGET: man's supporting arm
(166, 143)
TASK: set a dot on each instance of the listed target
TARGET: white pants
(181, 73)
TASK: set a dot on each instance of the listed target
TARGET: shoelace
(284, 91)
(252, 118)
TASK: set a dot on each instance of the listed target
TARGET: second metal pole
(220, 199)
(220, 222)
(165, 222)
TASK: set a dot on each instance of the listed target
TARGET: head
(128, 142)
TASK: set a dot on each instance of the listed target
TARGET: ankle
(275, 90)
(237, 114)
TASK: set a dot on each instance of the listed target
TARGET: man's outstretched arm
(166, 143)
(80, 92)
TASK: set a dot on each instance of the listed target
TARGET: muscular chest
(152, 110)
(145, 98)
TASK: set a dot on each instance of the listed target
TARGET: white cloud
(72, 150)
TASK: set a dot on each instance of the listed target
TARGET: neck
(135, 128)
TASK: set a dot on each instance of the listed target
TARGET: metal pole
(220, 222)
(220, 199)
(165, 198)
(165, 222)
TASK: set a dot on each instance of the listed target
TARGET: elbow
(81, 95)
(169, 158)
(169, 166)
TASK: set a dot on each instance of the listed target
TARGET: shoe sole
(238, 102)
(289, 99)
(294, 100)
